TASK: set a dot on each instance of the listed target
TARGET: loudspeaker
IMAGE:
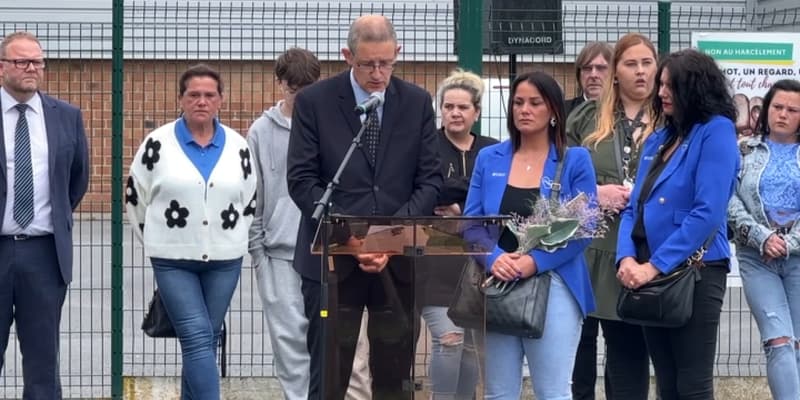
(522, 27)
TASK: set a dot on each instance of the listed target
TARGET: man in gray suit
(44, 175)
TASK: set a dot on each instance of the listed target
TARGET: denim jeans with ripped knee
(454, 361)
(772, 289)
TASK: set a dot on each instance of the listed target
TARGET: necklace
(629, 126)
(529, 163)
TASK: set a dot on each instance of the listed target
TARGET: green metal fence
(141, 52)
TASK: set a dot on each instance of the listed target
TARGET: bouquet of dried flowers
(553, 223)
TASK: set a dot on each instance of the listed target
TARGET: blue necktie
(23, 171)
(372, 136)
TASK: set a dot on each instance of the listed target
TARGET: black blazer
(68, 165)
(405, 180)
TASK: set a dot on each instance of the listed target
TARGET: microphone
(374, 101)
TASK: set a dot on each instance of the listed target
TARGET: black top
(437, 276)
(516, 201)
(638, 235)
(457, 166)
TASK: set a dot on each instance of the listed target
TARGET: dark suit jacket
(68, 156)
(573, 103)
(405, 180)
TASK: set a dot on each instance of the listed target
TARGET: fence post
(117, 76)
(664, 29)
(470, 40)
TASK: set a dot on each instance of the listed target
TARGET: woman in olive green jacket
(612, 129)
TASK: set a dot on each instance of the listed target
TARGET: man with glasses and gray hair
(395, 173)
(591, 72)
(45, 173)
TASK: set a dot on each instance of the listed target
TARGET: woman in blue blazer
(765, 210)
(506, 179)
(686, 176)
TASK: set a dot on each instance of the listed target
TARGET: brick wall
(151, 99)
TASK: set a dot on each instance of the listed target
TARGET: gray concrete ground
(726, 388)
(86, 329)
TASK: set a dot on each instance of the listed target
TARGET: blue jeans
(773, 293)
(196, 295)
(454, 361)
(550, 358)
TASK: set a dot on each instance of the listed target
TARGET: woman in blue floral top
(763, 212)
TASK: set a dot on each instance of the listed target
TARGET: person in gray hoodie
(274, 230)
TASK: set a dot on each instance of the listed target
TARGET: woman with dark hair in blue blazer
(764, 212)
(506, 179)
(686, 176)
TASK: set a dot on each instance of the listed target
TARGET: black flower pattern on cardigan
(229, 217)
(246, 168)
(150, 155)
(251, 207)
(176, 215)
(130, 193)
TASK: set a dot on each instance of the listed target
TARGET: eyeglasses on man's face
(382, 66)
(587, 69)
(25, 63)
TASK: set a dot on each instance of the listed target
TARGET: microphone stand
(322, 205)
(321, 213)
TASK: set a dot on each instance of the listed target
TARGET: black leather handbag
(156, 323)
(515, 308)
(667, 300)
(664, 302)
(468, 307)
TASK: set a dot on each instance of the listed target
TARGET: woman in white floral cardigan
(190, 198)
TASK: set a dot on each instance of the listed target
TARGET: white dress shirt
(361, 96)
(42, 223)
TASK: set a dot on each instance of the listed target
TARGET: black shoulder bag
(156, 323)
(516, 308)
(666, 301)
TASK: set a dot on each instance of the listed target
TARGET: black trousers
(683, 358)
(627, 368)
(392, 330)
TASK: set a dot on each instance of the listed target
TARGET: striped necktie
(23, 171)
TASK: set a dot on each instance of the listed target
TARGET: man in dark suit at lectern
(394, 172)
(44, 173)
